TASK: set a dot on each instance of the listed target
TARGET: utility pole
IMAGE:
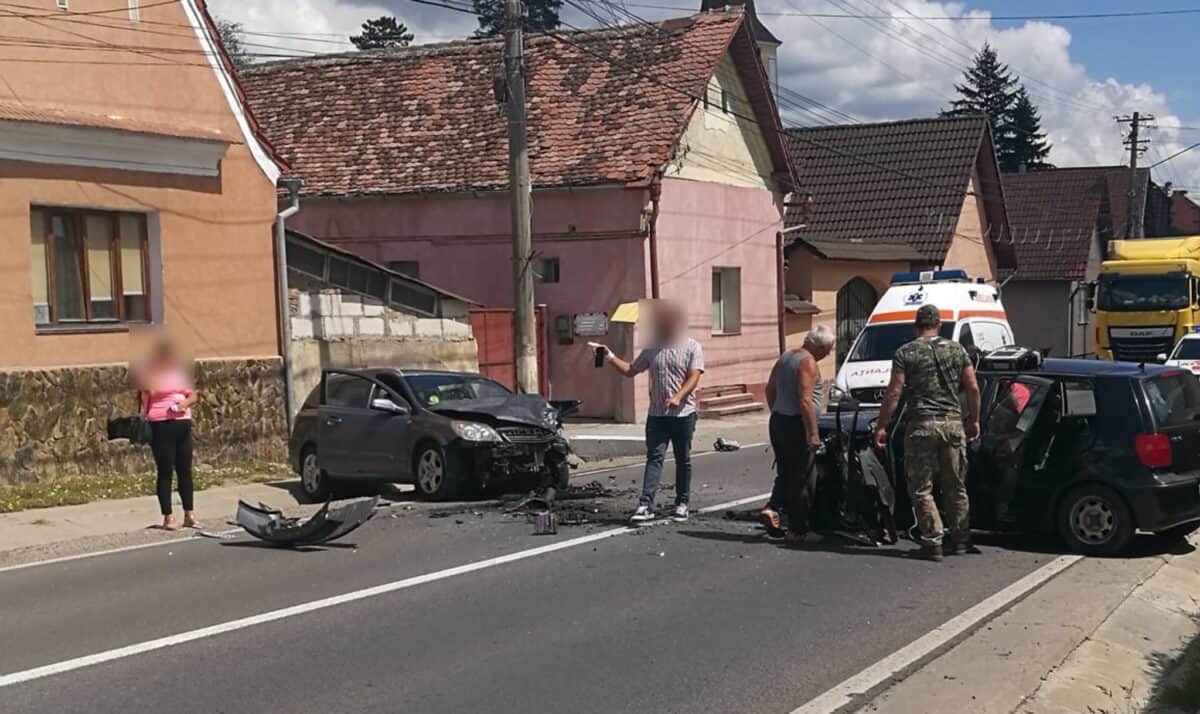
(524, 318)
(1135, 217)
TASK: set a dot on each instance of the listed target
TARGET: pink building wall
(462, 244)
(703, 225)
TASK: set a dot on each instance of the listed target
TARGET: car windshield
(1187, 349)
(1149, 292)
(880, 342)
(1174, 398)
(433, 389)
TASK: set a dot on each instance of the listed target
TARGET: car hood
(526, 409)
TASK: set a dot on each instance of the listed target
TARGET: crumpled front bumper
(505, 462)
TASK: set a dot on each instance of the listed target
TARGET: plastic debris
(327, 524)
(723, 444)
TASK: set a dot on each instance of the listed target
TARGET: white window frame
(726, 300)
(63, 4)
(135, 10)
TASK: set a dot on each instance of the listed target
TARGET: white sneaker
(642, 514)
(680, 514)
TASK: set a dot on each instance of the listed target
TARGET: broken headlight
(473, 431)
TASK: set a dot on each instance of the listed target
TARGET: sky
(1079, 72)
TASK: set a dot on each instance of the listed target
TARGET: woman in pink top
(167, 397)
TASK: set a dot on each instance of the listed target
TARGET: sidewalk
(1098, 638)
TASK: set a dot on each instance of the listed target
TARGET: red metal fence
(493, 328)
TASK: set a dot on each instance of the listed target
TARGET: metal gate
(493, 331)
(855, 300)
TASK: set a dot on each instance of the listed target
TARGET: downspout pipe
(281, 285)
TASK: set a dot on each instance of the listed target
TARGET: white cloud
(875, 70)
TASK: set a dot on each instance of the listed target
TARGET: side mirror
(384, 404)
(1090, 304)
(1160, 357)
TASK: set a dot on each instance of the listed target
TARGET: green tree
(382, 32)
(230, 34)
(539, 15)
(989, 88)
(1028, 147)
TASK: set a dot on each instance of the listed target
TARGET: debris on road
(328, 524)
(723, 444)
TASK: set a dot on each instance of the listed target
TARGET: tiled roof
(10, 111)
(605, 106)
(897, 183)
(1054, 216)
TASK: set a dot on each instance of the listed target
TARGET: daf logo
(1143, 333)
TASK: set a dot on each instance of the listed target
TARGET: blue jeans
(659, 431)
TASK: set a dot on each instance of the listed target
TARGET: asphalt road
(703, 616)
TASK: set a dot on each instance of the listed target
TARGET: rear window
(1174, 398)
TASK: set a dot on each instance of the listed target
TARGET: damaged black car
(450, 434)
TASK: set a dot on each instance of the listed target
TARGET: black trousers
(795, 477)
(172, 448)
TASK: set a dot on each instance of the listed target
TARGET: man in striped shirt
(675, 363)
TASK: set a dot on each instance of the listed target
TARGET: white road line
(888, 667)
(195, 538)
(27, 675)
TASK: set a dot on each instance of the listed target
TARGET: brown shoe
(932, 553)
(966, 547)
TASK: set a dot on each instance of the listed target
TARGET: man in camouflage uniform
(935, 371)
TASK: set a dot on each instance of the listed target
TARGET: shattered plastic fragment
(327, 524)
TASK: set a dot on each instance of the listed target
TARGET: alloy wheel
(431, 471)
(310, 473)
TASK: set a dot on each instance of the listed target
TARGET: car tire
(1094, 520)
(1179, 532)
(315, 485)
(432, 475)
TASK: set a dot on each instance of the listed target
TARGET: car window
(1187, 349)
(880, 342)
(990, 336)
(1174, 398)
(347, 390)
(433, 389)
(390, 380)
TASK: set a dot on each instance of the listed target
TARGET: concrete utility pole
(524, 317)
(1135, 217)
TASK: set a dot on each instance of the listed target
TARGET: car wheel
(1179, 532)
(1094, 520)
(315, 484)
(434, 479)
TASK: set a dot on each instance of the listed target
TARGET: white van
(972, 314)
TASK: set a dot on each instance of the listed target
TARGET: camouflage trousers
(935, 453)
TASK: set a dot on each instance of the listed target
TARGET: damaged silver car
(451, 434)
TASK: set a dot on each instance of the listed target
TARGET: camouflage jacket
(933, 369)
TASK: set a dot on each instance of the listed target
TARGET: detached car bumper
(1174, 500)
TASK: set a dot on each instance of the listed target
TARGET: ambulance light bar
(929, 276)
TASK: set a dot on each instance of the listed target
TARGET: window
(411, 268)
(880, 342)
(1174, 399)
(726, 300)
(62, 5)
(433, 389)
(89, 267)
(135, 10)
(347, 391)
(548, 270)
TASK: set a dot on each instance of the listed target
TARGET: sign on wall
(590, 324)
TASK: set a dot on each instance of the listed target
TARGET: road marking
(895, 663)
(49, 670)
(195, 538)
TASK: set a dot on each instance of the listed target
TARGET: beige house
(881, 199)
(136, 195)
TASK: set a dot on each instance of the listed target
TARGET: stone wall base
(53, 421)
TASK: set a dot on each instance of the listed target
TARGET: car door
(345, 425)
(1007, 446)
(394, 429)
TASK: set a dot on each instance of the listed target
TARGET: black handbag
(135, 428)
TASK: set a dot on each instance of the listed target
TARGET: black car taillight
(1153, 450)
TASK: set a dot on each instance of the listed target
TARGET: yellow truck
(1147, 297)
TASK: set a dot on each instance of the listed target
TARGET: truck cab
(972, 314)
(1147, 298)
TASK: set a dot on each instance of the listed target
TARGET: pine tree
(385, 31)
(1029, 147)
(229, 32)
(991, 89)
(539, 15)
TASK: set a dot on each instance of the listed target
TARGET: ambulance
(1186, 354)
(971, 312)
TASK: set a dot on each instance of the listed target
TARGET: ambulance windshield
(880, 342)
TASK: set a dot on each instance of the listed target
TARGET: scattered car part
(723, 444)
(544, 523)
(327, 524)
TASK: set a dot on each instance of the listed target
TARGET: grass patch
(72, 492)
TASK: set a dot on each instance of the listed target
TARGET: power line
(1177, 153)
(967, 18)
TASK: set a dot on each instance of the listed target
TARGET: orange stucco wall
(217, 279)
(968, 248)
(819, 280)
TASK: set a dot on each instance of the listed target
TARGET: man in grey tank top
(796, 395)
